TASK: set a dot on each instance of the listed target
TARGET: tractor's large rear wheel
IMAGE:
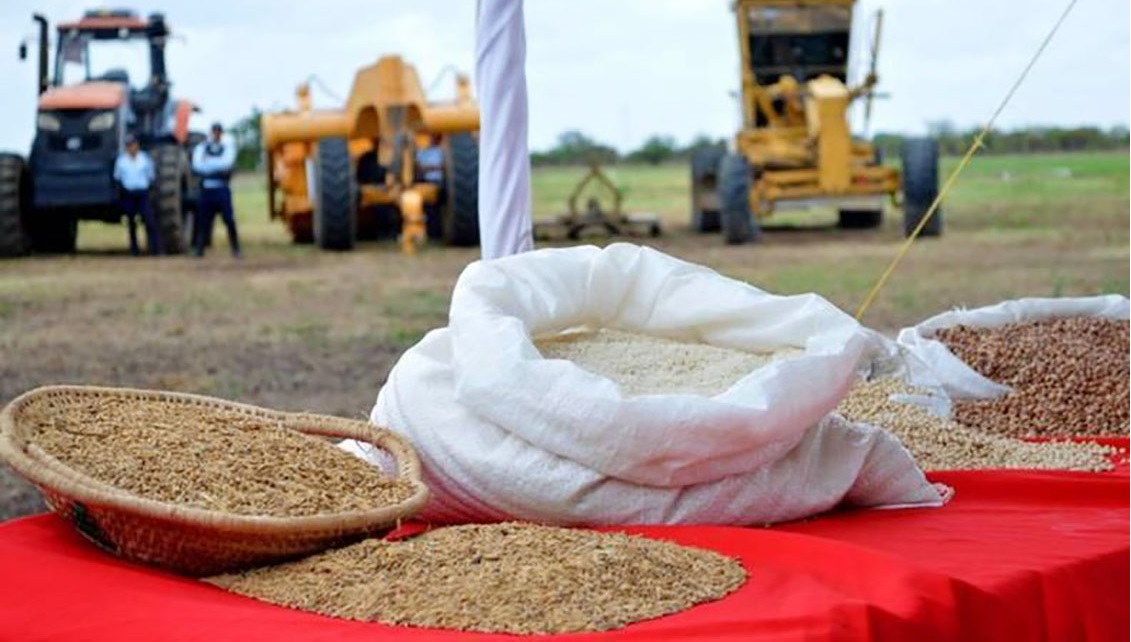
(920, 185)
(461, 207)
(737, 220)
(169, 196)
(704, 189)
(14, 203)
(335, 196)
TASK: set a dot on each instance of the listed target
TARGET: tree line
(1026, 140)
(574, 147)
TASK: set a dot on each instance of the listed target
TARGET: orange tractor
(88, 103)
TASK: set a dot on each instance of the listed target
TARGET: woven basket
(188, 540)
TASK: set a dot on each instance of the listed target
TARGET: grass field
(294, 328)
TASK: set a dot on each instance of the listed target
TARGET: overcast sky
(619, 70)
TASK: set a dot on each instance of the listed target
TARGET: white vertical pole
(505, 219)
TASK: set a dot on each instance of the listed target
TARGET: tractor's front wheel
(15, 196)
(461, 209)
(171, 168)
(737, 220)
(335, 196)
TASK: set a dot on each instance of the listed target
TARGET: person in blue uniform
(212, 160)
(134, 173)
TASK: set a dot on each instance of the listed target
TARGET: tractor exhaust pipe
(43, 80)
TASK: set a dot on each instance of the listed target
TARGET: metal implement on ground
(604, 217)
(387, 162)
(795, 147)
(85, 110)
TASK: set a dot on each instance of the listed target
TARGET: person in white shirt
(212, 160)
(134, 173)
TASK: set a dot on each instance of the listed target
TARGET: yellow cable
(974, 147)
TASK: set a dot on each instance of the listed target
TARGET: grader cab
(387, 162)
(795, 148)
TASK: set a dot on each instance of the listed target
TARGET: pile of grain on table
(1070, 377)
(941, 444)
(646, 365)
(209, 458)
(501, 578)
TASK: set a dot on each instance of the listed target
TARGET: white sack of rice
(694, 399)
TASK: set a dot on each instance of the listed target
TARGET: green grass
(1007, 192)
(1013, 197)
(249, 199)
(1035, 225)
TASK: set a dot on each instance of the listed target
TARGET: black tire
(859, 219)
(169, 192)
(335, 196)
(461, 206)
(15, 199)
(738, 222)
(704, 176)
(920, 185)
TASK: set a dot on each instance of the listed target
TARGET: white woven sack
(504, 433)
(935, 361)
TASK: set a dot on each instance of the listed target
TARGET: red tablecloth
(1015, 556)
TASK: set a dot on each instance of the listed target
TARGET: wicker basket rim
(13, 443)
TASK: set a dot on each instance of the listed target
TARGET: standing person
(212, 160)
(134, 173)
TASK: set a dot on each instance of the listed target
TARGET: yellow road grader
(795, 148)
(388, 161)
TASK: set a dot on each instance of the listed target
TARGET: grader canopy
(795, 147)
(388, 160)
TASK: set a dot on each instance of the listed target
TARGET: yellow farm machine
(795, 148)
(386, 162)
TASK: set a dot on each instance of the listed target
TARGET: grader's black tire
(461, 209)
(168, 193)
(704, 177)
(738, 223)
(335, 196)
(920, 185)
(15, 195)
(859, 219)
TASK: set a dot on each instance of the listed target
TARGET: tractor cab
(109, 72)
